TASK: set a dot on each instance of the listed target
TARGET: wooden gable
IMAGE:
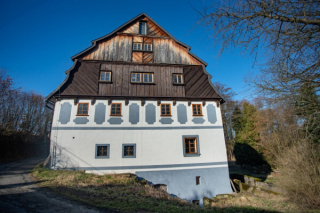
(119, 45)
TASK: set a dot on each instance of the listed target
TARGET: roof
(94, 42)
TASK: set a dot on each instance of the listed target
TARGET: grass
(118, 192)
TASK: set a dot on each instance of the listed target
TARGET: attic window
(177, 78)
(143, 28)
(137, 46)
(105, 76)
(147, 47)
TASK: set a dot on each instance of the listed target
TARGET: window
(197, 180)
(147, 47)
(195, 202)
(165, 109)
(190, 145)
(143, 28)
(105, 76)
(83, 109)
(197, 109)
(136, 77)
(102, 150)
(115, 109)
(147, 78)
(137, 46)
(177, 78)
(128, 150)
(142, 77)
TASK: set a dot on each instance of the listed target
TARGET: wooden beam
(203, 102)
(174, 102)
(75, 101)
(126, 102)
(92, 101)
(109, 101)
(142, 102)
(189, 102)
(158, 102)
(218, 104)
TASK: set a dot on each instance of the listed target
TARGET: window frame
(141, 77)
(102, 157)
(193, 105)
(111, 109)
(182, 79)
(82, 109)
(134, 151)
(146, 29)
(105, 71)
(147, 49)
(137, 43)
(165, 110)
(146, 73)
(184, 137)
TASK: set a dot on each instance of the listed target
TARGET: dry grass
(121, 193)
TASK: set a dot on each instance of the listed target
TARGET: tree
(226, 111)
(287, 32)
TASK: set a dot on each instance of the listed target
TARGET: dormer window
(137, 46)
(177, 78)
(143, 28)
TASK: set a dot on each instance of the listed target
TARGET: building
(138, 101)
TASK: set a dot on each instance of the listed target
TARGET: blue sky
(37, 38)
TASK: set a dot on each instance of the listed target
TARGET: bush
(300, 165)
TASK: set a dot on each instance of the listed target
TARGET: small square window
(128, 150)
(165, 109)
(177, 78)
(147, 78)
(143, 28)
(147, 47)
(83, 109)
(197, 109)
(136, 77)
(102, 150)
(137, 46)
(115, 109)
(105, 76)
(198, 180)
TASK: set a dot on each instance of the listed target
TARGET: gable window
(115, 109)
(197, 180)
(147, 77)
(105, 76)
(102, 150)
(83, 109)
(165, 109)
(147, 47)
(141, 77)
(190, 145)
(143, 28)
(177, 78)
(197, 109)
(128, 150)
(136, 77)
(137, 46)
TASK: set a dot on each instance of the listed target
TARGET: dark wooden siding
(83, 80)
(122, 86)
(197, 83)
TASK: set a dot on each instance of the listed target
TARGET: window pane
(102, 151)
(179, 79)
(102, 76)
(107, 76)
(143, 28)
(138, 77)
(174, 79)
(150, 78)
(145, 78)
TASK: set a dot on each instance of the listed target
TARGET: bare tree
(286, 33)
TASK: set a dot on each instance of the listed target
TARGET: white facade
(159, 144)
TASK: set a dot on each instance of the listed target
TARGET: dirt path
(19, 192)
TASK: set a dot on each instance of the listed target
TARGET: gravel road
(19, 192)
